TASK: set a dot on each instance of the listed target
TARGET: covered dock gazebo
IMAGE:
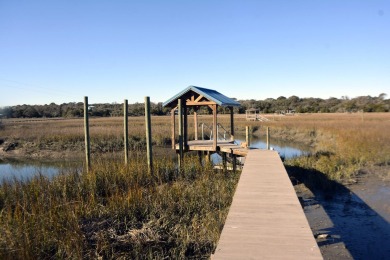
(196, 97)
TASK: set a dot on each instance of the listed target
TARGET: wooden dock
(266, 220)
(222, 146)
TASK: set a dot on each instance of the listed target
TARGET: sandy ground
(352, 223)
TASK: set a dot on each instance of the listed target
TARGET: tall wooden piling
(148, 126)
(234, 160)
(231, 124)
(185, 126)
(86, 132)
(247, 138)
(268, 138)
(126, 130)
(181, 130)
(215, 131)
(173, 130)
(224, 161)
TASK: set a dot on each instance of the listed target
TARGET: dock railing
(219, 126)
(204, 128)
(220, 136)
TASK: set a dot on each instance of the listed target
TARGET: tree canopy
(269, 105)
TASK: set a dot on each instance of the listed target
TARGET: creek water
(11, 170)
(286, 150)
(24, 170)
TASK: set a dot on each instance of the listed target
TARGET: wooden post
(173, 124)
(231, 124)
(185, 126)
(202, 131)
(208, 156)
(234, 163)
(215, 133)
(196, 125)
(224, 161)
(126, 129)
(268, 138)
(248, 140)
(234, 160)
(200, 156)
(180, 154)
(148, 126)
(86, 132)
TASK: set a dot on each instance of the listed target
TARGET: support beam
(224, 161)
(215, 133)
(231, 124)
(180, 154)
(126, 130)
(268, 138)
(196, 125)
(208, 156)
(86, 132)
(148, 126)
(200, 156)
(248, 140)
(199, 98)
(185, 126)
(234, 158)
(173, 126)
(200, 103)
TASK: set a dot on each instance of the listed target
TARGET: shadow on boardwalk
(364, 233)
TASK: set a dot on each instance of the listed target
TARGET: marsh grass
(116, 211)
(343, 144)
(66, 136)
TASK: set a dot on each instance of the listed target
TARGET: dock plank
(223, 146)
(266, 219)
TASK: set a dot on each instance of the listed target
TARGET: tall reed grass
(344, 144)
(117, 211)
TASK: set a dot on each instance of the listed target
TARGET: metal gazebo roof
(209, 94)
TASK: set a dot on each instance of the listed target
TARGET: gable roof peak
(210, 94)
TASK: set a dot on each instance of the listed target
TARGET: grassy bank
(116, 211)
(65, 137)
(343, 144)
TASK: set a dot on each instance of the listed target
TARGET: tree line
(269, 105)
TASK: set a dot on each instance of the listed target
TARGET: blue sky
(61, 51)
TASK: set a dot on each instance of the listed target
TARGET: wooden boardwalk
(222, 146)
(266, 220)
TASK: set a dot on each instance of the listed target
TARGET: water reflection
(286, 150)
(11, 170)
